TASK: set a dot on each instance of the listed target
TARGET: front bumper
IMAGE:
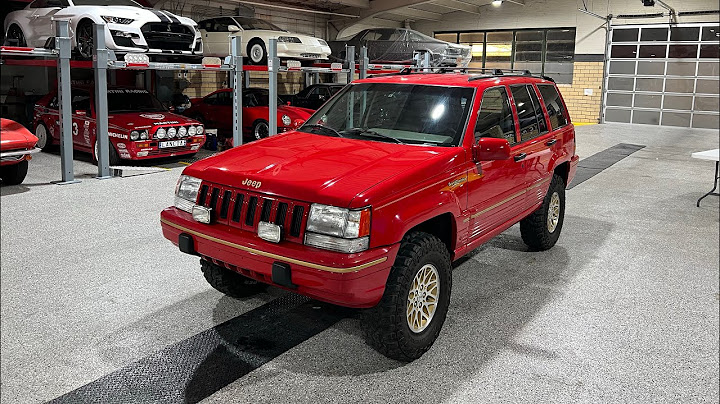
(302, 51)
(130, 38)
(16, 156)
(351, 280)
(150, 149)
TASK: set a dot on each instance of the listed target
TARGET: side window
(207, 25)
(542, 125)
(211, 100)
(222, 24)
(38, 4)
(225, 98)
(526, 112)
(554, 105)
(81, 102)
(495, 118)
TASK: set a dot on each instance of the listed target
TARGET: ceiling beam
(416, 14)
(458, 6)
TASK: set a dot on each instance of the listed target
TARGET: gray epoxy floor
(624, 308)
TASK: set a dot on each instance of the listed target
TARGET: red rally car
(16, 146)
(139, 126)
(215, 111)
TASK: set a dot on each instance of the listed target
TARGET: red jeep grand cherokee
(369, 202)
(140, 127)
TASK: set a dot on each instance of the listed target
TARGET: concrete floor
(623, 309)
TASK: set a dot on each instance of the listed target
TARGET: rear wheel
(14, 174)
(257, 54)
(228, 282)
(408, 319)
(541, 229)
(84, 38)
(15, 36)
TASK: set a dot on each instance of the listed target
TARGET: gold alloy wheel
(423, 298)
(553, 216)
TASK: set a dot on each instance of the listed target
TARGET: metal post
(246, 77)
(606, 68)
(350, 55)
(273, 66)
(316, 78)
(65, 102)
(364, 61)
(237, 70)
(100, 61)
(426, 59)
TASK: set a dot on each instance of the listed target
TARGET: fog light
(269, 232)
(201, 214)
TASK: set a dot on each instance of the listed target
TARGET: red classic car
(139, 126)
(215, 111)
(16, 146)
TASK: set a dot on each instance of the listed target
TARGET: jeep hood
(315, 168)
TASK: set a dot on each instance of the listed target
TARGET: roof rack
(486, 72)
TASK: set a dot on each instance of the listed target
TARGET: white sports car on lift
(129, 27)
(255, 35)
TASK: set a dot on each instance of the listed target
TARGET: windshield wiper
(327, 128)
(371, 133)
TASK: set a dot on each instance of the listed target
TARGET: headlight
(134, 135)
(117, 20)
(186, 192)
(322, 42)
(144, 135)
(192, 131)
(199, 129)
(182, 132)
(286, 120)
(160, 134)
(171, 133)
(289, 39)
(349, 229)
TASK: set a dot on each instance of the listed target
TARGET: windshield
(106, 3)
(254, 23)
(401, 113)
(258, 98)
(128, 100)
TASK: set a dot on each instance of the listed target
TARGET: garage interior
(96, 306)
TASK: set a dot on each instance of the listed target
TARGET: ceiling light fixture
(497, 3)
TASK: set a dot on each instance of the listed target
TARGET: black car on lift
(313, 96)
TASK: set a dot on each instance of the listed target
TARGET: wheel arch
(563, 170)
(75, 23)
(442, 226)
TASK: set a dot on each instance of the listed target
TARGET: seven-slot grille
(168, 36)
(245, 209)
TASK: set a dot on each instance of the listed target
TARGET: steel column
(273, 66)
(235, 74)
(350, 56)
(100, 63)
(364, 61)
(65, 102)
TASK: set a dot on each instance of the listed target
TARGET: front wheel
(228, 282)
(14, 174)
(260, 129)
(113, 157)
(541, 230)
(408, 319)
(84, 38)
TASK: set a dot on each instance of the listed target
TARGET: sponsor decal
(167, 123)
(250, 183)
(156, 117)
(120, 145)
(75, 129)
(118, 135)
(127, 91)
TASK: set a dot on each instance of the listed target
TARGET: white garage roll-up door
(664, 74)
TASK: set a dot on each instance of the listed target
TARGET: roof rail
(486, 72)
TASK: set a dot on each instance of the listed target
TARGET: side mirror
(490, 148)
(298, 123)
(289, 103)
(233, 28)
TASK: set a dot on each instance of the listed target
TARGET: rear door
(535, 150)
(496, 188)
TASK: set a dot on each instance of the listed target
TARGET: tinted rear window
(554, 105)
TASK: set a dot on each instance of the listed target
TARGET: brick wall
(582, 107)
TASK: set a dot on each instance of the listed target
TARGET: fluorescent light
(496, 3)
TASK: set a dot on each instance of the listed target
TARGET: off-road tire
(14, 174)
(228, 282)
(535, 229)
(386, 325)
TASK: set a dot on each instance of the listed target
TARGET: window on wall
(542, 51)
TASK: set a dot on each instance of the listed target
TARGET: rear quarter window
(556, 110)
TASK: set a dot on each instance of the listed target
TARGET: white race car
(256, 34)
(129, 27)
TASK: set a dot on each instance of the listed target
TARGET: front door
(40, 20)
(216, 36)
(496, 188)
(82, 119)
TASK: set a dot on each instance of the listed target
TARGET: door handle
(520, 156)
(550, 142)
